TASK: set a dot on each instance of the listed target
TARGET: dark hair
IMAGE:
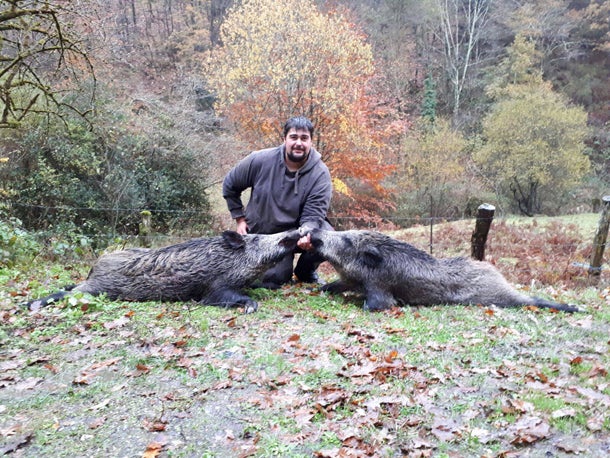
(298, 122)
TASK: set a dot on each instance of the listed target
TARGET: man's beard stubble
(298, 159)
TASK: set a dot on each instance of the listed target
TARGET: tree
(534, 140)
(428, 108)
(432, 176)
(282, 58)
(41, 59)
(462, 23)
(218, 10)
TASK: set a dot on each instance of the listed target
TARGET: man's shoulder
(259, 158)
(318, 163)
(265, 153)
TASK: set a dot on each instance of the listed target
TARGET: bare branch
(41, 51)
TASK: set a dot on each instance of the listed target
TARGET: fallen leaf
(101, 405)
(595, 424)
(154, 425)
(16, 444)
(97, 423)
(597, 371)
(483, 435)
(565, 412)
(528, 430)
(571, 446)
(231, 322)
(106, 363)
(142, 368)
(118, 323)
(445, 430)
(153, 449)
(391, 356)
(28, 384)
(516, 406)
(52, 368)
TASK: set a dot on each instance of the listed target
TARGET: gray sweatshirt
(279, 199)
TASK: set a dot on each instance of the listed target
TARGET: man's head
(298, 123)
(298, 133)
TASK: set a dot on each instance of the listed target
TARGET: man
(290, 188)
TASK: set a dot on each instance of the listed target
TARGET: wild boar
(211, 270)
(390, 272)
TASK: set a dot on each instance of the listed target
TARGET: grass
(307, 375)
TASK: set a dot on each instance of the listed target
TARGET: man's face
(298, 144)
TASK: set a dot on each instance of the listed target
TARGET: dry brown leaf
(528, 430)
(445, 430)
(154, 425)
(153, 449)
(97, 423)
(28, 384)
(118, 323)
(571, 446)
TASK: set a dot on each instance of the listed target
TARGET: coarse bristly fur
(390, 272)
(211, 270)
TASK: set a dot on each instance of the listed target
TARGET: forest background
(422, 108)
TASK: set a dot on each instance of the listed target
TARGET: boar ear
(233, 240)
(371, 257)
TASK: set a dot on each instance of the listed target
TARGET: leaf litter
(307, 375)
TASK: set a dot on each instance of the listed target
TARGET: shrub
(16, 244)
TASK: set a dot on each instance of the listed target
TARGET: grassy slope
(308, 375)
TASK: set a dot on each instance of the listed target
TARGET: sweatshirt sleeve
(318, 202)
(237, 180)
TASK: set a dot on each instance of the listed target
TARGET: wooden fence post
(485, 215)
(599, 242)
(145, 229)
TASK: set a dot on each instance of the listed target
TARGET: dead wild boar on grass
(390, 272)
(210, 270)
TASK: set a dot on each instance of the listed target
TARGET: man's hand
(304, 243)
(242, 226)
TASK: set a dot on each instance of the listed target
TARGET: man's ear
(371, 257)
(233, 240)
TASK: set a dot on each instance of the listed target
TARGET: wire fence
(543, 251)
(425, 232)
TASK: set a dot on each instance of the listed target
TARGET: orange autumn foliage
(285, 58)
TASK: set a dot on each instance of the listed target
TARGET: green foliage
(534, 140)
(428, 110)
(16, 244)
(520, 67)
(432, 177)
(100, 180)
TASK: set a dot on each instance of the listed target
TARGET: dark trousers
(304, 270)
